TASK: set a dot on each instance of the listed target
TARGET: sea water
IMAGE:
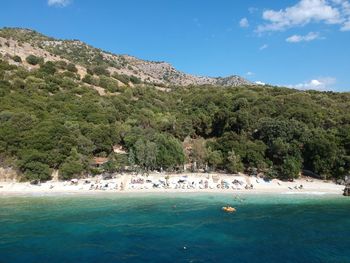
(175, 228)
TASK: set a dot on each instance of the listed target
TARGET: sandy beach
(173, 183)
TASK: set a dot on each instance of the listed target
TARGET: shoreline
(173, 184)
(166, 193)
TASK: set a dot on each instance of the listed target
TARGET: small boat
(229, 209)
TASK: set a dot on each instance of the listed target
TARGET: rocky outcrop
(23, 42)
(232, 81)
(8, 175)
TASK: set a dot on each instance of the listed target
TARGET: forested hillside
(49, 119)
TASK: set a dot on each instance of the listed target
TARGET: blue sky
(297, 43)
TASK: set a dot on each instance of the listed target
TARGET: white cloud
(249, 73)
(345, 6)
(265, 46)
(305, 12)
(61, 3)
(298, 38)
(321, 84)
(244, 22)
(260, 83)
(346, 26)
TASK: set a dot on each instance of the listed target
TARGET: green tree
(151, 155)
(33, 165)
(131, 159)
(234, 163)
(170, 152)
(37, 171)
(72, 166)
(146, 154)
(111, 166)
(199, 153)
(321, 153)
(290, 168)
(215, 159)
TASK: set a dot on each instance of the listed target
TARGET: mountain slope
(24, 42)
(53, 121)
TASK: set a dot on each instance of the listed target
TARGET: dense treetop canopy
(51, 119)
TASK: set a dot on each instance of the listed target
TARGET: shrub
(108, 84)
(48, 68)
(33, 60)
(19, 83)
(35, 83)
(69, 75)
(88, 79)
(61, 64)
(135, 80)
(100, 70)
(72, 68)
(89, 71)
(17, 59)
(52, 87)
(122, 78)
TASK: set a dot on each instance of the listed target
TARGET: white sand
(191, 183)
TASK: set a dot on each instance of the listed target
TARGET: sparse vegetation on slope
(101, 62)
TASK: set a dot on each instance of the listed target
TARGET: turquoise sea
(174, 228)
